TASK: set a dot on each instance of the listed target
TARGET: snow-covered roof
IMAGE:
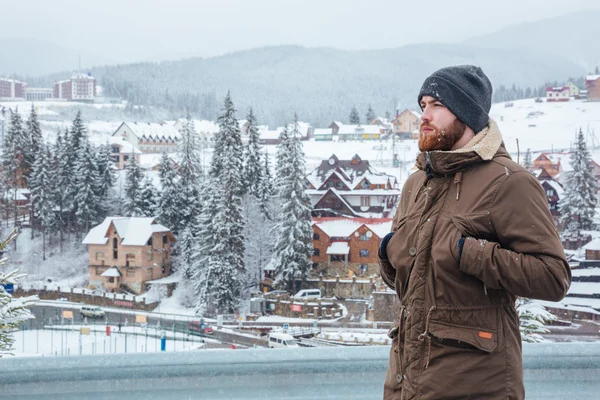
(593, 245)
(584, 288)
(355, 173)
(20, 194)
(153, 130)
(592, 77)
(359, 129)
(112, 272)
(585, 272)
(556, 186)
(323, 131)
(126, 147)
(175, 278)
(338, 248)
(133, 231)
(344, 227)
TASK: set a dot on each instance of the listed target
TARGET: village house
(323, 135)
(385, 123)
(345, 132)
(592, 83)
(128, 252)
(554, 192)
(206, 130)
(574, 90)
(347, 246)
(122, 151)
(352, 188)
(149, 137)
(561, 93)
(406, 123)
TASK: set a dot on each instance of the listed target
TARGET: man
(472, 232)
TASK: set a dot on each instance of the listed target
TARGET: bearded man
(471, 233)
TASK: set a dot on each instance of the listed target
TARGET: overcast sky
(132, 30)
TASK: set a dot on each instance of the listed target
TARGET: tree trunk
(44, 244)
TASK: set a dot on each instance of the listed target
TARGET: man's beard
(443, 139)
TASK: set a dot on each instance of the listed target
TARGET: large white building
(149, 137)
(80, 87)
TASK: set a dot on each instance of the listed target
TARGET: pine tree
(13, 311)
(370, 115)
(218, 273)
(17, 144)
(293, 248)
(252, 164)
(532, 318)
(106, 180)
(149, 198)
(133, 188)
(64, 181)
(578, 204)
(266, 190)
(190, 175)
(42, 186)
(527, 164)
(34, 142)
(10, 162)
(168, 211)
(354, 117)
(86, 181)
(78, 133)
(282, 167)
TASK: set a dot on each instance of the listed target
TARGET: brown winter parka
(457, 334)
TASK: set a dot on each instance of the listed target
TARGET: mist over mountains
(322, 84)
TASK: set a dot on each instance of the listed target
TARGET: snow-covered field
(71, 342)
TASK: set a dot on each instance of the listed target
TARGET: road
(51, 315)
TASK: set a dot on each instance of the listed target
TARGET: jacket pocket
(402, 250)
(485, 340)
(395, 372)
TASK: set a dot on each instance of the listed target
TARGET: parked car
(200, 328)
(309, 294)
(92, 312)
(282, 340)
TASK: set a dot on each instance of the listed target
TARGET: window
(364, 253)
(316, 236)
(115, 251)
(165, 239)
(130, 272)
(338, 184)
(99, 255)
(365, 201)
(129, 259)
(365, 184)
(363, 237)
(549, 192)
(149, 242)
(316, 252)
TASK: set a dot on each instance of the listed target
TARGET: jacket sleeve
(529, 259)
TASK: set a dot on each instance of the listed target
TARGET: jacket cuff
(387, 272)
(471, 260)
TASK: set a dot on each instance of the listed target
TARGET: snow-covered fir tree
(149, 198)
(578, 204)
(13, 310)
(527, 164)
(106, 180)
(43, 196)
(266, 190)
(15, 147)
(370, 116)
(219, 275)
(168, 210)
(34, 142)
(86, 184)
(64, 181)
(293, 249)
(253, 169)
(77, 133)
(533, 317)
(133, 189)
(187, 246)
(190, 175)
(354, 117)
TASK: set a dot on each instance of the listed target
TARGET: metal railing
(552, 371)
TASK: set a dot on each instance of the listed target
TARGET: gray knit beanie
(465, 90)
